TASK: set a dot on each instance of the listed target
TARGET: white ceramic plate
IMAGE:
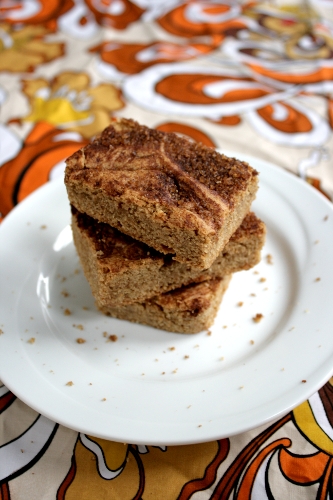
(137, 389)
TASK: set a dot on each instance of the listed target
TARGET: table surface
(254, 78)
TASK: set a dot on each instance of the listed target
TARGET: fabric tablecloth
(249, 77)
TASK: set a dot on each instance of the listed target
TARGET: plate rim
(307, 390)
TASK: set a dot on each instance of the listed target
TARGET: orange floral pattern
(23, 49)
(114, 14)
(41, 151)
(69, 101)
(44, 12)
(196, 18)
(187, 131)
(133, 58)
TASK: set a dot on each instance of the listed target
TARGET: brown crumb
(241, 387)
(113, 338)
(22, 451)
(262, 280)
(80, 340)
(79, 327)
(105, 334)
(303, 381)
(326, 218)
(252, 295)
(104, 399)
(175, 370)
(240, 304)
(67, 312)
(172, 348)
(1, 332)
(251, 342)
(255, 272)
(269, 259)
(70, 383)
(43, 226)
(209, 333)
(163, 373)
(64, 293)
(32, 340)
(186, 356)
(225, 326)
(200, 425)
(317, 279)
(258, 317)
(85, 308)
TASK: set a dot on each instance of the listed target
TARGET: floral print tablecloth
(254, 77)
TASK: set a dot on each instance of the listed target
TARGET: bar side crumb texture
(189, 309)
(121, 270)
(177, 196)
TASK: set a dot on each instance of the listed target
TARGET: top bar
(175, 195)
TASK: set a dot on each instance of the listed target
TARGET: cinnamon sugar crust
(175, 195)
(121, 270)
(189, 309)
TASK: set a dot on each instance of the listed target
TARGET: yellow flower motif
(70, 102)
(24, 49)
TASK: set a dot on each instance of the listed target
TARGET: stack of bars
(160, 224)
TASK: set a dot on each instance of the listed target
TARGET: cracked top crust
(162, 170)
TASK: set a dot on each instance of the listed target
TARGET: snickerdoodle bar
(121, 270)
(177, 196)
(189, 309)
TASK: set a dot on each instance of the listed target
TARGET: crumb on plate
(269, 259)
(258, 317)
